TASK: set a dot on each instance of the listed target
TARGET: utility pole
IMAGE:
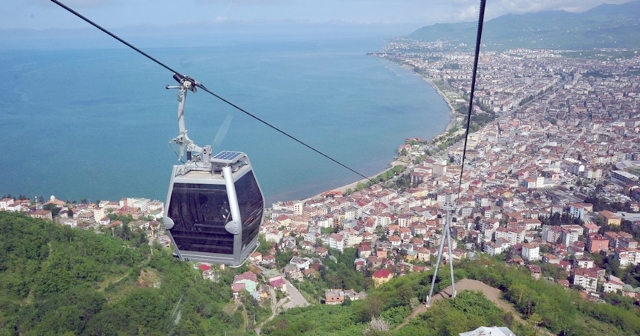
(450, 211)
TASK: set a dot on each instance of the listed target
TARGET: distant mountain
(605, 26)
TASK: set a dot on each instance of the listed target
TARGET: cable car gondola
(214, 204)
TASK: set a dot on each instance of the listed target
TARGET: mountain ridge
(605, 26)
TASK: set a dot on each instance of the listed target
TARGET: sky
(44, 14)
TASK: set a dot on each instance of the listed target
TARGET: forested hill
(605, 26)
(56, 280)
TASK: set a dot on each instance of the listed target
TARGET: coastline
(452, 121)
(452, 111)
(354, 184)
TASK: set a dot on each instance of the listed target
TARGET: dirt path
(491, 293)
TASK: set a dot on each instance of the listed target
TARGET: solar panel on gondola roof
(227, 155)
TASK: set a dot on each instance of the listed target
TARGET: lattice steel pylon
(450, 211)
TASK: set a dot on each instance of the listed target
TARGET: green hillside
(60, 281)
(541, 308)
(606, 26)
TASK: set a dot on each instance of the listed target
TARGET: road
(295, 298)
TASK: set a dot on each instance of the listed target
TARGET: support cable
(450, 208)
(473, 88)
(198, 84)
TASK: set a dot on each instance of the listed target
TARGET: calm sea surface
(96, 123)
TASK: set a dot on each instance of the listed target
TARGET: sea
(96, 123)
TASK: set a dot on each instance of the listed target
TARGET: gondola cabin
(214, 208)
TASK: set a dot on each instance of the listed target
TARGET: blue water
(96, 123)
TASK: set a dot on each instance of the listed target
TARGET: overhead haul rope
(473, 88)
(202, 87)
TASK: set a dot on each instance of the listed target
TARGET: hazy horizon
(44, 14)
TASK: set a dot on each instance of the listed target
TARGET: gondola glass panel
(251, 206)
(199, 213)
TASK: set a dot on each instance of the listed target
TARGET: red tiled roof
(382, 273)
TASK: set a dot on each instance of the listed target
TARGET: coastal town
(549, 181)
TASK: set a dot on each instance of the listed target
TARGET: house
(590, 228)
(364, 251)
(5, 202)
(274, 236)
(42, 214)
(610, 218)
(514, 235)
(333, 296)
(535, 270)
(584, 262)
(627, 257)
(293, 272)
(531, 252)
(549, 258)
(424, 255)
(613, 284)
(268, 259)
(374, 261)
(532, 224)
(395, 241)
(551, 233)
(492, 248)
(336, 241)
(300, 263)
(247, 280)
(277, 282)
(597, 243)
(255, 257)
(587, 278)
(381, 277)
(565, 265)
(311, 273)
(578, 210)
(613, 238)
(360, 264)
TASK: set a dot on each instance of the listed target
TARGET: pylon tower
(450, 210)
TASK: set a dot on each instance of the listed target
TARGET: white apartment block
(531, 252)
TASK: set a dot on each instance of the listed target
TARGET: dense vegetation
(539, 303)
(56, 280)
(60, 281)
(551, 306)
(393, 303)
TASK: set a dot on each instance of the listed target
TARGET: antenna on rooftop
(450, 211)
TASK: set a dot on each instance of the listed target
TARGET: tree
(53, 208)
